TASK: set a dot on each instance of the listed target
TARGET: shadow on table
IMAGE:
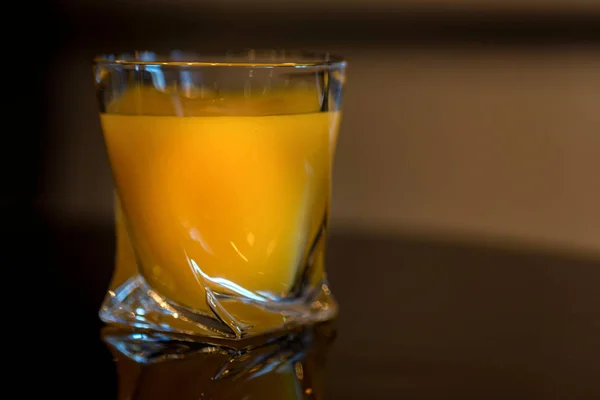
(428, 318)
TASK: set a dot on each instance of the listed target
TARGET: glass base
(135, 304)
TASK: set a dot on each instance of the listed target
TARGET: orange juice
(125, 262)
(220, 199)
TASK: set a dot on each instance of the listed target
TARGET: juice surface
(232, 201)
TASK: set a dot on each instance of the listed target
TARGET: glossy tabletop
(420, 318)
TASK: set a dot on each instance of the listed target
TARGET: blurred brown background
(471, 119)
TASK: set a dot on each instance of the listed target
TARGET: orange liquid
(232, 201)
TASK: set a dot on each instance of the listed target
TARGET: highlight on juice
(222, 177)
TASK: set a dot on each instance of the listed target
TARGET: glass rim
(243, 59)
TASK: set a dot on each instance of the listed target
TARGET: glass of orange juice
(222, 170)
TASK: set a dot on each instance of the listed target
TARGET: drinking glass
(222, 171)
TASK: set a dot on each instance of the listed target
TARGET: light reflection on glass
(158, 366)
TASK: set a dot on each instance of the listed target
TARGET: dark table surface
(420, 319)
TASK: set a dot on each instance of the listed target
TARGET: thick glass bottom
(136, 305)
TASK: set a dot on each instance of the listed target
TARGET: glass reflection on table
(158, 366)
